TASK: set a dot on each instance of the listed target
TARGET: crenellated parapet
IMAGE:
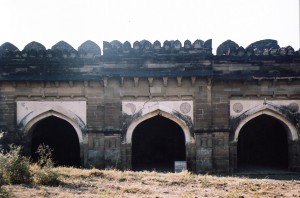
(61, 62)
(34, 46)
(144, 47)
(62, 49)
(90, 50)
(267, 47)
(8, 49)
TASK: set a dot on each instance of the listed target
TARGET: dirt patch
(112, 183)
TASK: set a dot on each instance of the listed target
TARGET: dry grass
(114, 183)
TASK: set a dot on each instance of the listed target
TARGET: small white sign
(180, 166)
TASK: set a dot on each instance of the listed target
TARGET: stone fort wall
(105, 96)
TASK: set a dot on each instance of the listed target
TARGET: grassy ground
(113, 183)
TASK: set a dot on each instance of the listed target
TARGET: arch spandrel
(27, 116)
(154, 110)
(33, 108)
(242, 111)
(184, 107)
(77, 126)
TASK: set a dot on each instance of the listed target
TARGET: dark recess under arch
(156, 143)
(263, 142)
(61, 136)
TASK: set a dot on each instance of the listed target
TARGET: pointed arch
(292, 131)
(32, 118)
(164, 111)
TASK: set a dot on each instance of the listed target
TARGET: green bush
(45, 159)
(14, 168)
(4, 193)
(45, 174)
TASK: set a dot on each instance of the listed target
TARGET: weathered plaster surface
(246, 110)
(168, 109)
(246, 105)
(184, 107)
(25, 108)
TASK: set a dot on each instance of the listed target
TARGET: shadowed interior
(263, 142)
(61, 137)
(156, 144)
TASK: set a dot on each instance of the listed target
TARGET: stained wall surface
(106, 98)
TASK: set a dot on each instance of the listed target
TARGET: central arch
(163, 111)
(156, 144)
(182, 122)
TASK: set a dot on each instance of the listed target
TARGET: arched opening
(263, 143)
(156, 143)
(60, 136)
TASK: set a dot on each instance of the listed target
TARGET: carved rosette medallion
(131, 107)
(294, 107)
(237, 107)
(185, 107)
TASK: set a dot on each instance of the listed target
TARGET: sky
(75, 21)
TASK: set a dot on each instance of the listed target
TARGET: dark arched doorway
(60, 136)
(156, 144)
(263, 143)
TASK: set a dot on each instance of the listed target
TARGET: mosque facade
(145, 106)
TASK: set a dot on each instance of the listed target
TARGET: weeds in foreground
(45, 156)
(4, 193)
(46, 176)
(14, 168)
(44, 173)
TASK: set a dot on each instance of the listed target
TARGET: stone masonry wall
(212, 152)
(8, 107)
(146, 71)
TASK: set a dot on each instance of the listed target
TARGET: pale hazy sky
(75, 21)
